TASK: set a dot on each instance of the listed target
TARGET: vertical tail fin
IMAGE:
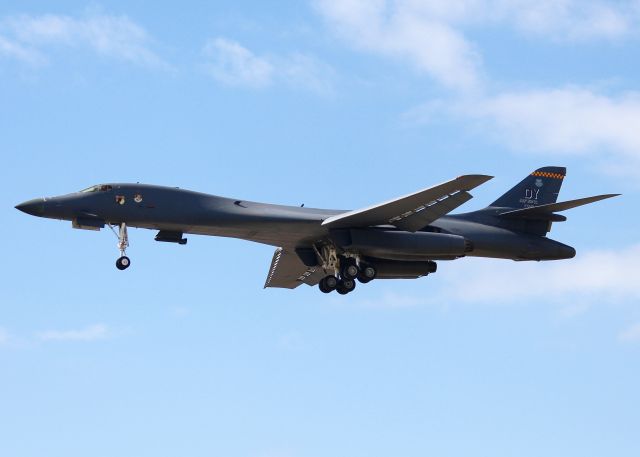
(539, 188)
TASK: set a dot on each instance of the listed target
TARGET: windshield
(98, 188)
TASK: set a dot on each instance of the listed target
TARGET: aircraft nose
(34, 207)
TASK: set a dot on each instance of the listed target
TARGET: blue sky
(336, 104)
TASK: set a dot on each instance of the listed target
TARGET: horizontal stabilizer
(545, 211)
(414, 211)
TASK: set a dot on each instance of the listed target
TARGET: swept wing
(414, 211)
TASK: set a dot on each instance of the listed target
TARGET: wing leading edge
(414, 211)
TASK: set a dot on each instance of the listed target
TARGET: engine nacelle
(401, 245)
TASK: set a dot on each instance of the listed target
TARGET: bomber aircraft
(399, 238)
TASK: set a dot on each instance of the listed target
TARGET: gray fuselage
(175, 210)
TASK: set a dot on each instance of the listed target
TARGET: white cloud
(27, 36)
(565, 121)
(89, 333)
(592, 277)
(402, 29)
(571, 19)
(431, 34)
(571, 286)
(306, 72)
(549, 19)
(630, 334)
(235, 65)
(569, 120)
(4, 336)
(17, 51)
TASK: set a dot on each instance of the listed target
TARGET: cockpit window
(98, 188)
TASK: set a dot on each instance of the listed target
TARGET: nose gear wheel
(123, 261)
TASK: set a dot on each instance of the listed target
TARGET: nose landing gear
(123, 261)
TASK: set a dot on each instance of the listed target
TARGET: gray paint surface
(401, 235)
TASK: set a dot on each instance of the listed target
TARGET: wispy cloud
(573, 20)
(89, 333)
(405, 30)
(564, 121)
(4, 336)
(305, 72)
(569, 120)
(232, 64)
(20, 52)
(548, 19)
(630, 334)
(592, 277)
(571, 286)
(28, 37)
(433, 37)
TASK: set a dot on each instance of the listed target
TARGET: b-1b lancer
(399, 238)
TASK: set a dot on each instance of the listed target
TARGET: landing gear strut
(123, 261)
(347, 268)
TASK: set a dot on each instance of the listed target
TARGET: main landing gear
(347, 269)
(123, 261)
(343, 285)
